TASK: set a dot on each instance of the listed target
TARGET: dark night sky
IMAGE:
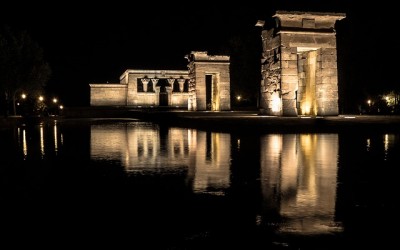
(96, 42)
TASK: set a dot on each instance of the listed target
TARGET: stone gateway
(299, 65)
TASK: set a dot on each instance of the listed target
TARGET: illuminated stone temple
(204, 86)
(299, 65)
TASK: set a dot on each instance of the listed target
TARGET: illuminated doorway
(307, 70)
(212, 93)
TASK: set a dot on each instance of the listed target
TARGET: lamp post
(21, 104)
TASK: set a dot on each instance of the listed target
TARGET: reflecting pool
(145, 186)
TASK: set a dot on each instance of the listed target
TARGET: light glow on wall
(276, 103)
(305, 108)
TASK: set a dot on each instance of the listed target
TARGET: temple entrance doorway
(212, 93)
(163, 96)
(307, 70)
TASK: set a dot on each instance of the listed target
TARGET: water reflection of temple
(146, 147)
(299, 179)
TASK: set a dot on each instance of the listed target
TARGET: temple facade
(299, 65)
(204, 86)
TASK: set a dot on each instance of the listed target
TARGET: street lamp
(23, 96)
(41, 98)
(369, 103)
(55, 100)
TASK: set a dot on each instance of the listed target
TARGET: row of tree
(23, 68)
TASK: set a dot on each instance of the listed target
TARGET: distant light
(369, 102)
(349, 117)
(17, 103)
(239, 97)
(387, 98)
(23, 96)
(61, 107)
(305, 117)
(41, 98)
(55, 100)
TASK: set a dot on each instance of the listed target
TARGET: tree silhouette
(22, 66)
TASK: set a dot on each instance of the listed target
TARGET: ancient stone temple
(299, 65)
(209, 84)
(205, 86)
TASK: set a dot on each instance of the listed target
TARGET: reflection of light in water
(386, 145)
(299, 181)
(389, 139)
(238, 143)
(138, 146)
(19, 136)
(308, 192)
(368, 144)
(212, 174)
(107, 142)
(191, 137)
(41, 141)
(55, 138)
(142, 147)
(24, 144)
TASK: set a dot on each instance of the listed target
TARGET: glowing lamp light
(55, 100)
(23, 96)
(306, 107)
(61, 107)
(41, 98)
(369, 102)
(275, 104)
(238, 97)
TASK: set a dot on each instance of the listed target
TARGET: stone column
(157, 89)
(181, 82)
(171, 82)
(145, 81)
(155, 81)
(169, 92)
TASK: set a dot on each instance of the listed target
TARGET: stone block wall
(107, 95)
(179, 100)
(299, 65)
(200, 65)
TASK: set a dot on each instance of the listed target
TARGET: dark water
(99, 183)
